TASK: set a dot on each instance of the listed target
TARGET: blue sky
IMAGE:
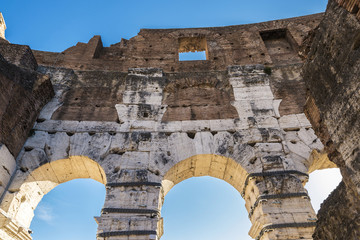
(57, 25)
(195, 207)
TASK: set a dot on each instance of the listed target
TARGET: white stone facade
(265, 156)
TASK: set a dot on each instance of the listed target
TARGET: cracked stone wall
(135, 118)
(333, 107)
(265, 156)
(24, 92)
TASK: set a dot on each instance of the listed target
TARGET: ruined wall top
(269, 43)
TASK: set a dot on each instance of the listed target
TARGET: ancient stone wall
(338, 217)
(23, 94)
(332, 77)
(352, 6)
(271, 42)
(135, 118)
(266, 157)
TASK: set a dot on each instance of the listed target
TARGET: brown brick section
(23, 94)
(268, 43)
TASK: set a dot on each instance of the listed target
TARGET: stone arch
(197, 203)
(270, 195)
(31, 185)
(320, 160)
(212, 165)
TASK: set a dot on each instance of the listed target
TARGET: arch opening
(204, 208)
(321, 183)
(211, 165)
(31, 185)
(207, 171)
(67, 211)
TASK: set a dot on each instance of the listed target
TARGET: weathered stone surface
(234, 45)
(87, 96)
(23, 93)
(18, 55)
(7, 167)
(339, 215)
(135, 118)
(198, 97)
(332, 74)
(143, 156)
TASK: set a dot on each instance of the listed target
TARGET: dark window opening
(281, 46)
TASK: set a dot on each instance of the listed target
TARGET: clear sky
(56, 25)
(198, 208)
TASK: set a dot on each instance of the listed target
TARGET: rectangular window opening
(281, 46)
(193, 49)
(192, 56)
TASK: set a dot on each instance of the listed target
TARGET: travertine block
(131, 97)
(289, 122)
(250, 93)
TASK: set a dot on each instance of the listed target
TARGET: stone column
(131, 209)
(279, 206)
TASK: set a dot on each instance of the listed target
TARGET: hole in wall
(280, 45)
(192, 56)
(321, 184)
(191, 134)
(192, 49)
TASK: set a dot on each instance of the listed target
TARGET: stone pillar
(2, 26)
(11, 230)
(7, 168)
(279, 206)
(131, 209)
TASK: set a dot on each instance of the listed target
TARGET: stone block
(252, 93)
(304, 122)
(198, 125)
(289, 122)
(132, 97)
(223, 125)
(37, 140)
(173, 126)
(307, 136)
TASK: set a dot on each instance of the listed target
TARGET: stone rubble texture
(333, 107)
(135, 118)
